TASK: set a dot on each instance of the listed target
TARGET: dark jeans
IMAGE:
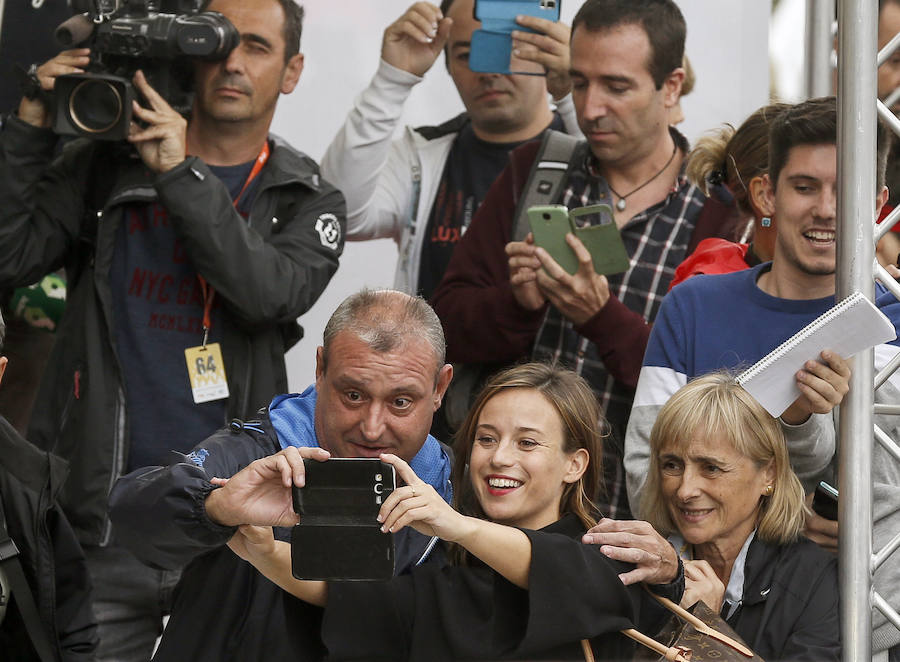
(130, 600)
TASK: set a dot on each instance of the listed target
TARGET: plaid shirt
(656, 239)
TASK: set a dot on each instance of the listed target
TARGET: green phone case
(601, 238)
(551, 223)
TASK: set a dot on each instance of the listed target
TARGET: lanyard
(209, 294)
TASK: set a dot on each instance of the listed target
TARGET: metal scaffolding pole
(856, 148)
(819, 41)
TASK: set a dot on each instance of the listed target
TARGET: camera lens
(95, 106)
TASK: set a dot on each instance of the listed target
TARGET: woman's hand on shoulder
(702, 583)
(417, 504)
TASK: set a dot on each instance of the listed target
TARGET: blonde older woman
(722, 488)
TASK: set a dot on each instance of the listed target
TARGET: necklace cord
(620, 205)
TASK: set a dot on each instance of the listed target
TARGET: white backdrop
(727, 43)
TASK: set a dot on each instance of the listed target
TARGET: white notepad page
(850, 327)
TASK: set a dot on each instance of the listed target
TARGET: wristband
(30, 83)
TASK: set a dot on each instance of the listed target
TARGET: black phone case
(344, 552)
(825, 503)
(338, 536)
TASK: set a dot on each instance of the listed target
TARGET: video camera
(160, 37)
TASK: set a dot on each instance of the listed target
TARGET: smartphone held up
(338, 536)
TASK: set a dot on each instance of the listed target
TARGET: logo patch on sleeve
(198, 456)
(329, 230)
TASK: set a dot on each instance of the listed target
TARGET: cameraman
(208, 224)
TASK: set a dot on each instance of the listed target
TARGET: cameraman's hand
(162, 143)
(35, 111)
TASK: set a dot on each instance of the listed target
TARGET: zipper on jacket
(46, 566)
(416, 194)
(118, 460)
(413, 212)
(74, 394)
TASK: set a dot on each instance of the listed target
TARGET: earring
(769, 490)
(766, 222)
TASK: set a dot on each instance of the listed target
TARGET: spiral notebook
(850, 327)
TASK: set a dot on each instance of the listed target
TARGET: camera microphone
(74, 30)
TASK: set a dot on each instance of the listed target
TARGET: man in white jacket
(423, 189)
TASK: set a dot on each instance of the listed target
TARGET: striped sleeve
(664, 372)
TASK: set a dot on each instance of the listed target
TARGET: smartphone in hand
(338, 536)
(596, 227)
(825, 501)
(491, 50)
(551, 223)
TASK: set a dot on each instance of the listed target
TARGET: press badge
(206, 370)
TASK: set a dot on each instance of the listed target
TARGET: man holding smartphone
(380, 376)
(626, 73)
(422, 190)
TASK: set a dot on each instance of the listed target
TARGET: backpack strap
(9, 563)
(548, 176)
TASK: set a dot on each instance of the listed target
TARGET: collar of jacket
(34, 468)
(759, 570)
(453, 125)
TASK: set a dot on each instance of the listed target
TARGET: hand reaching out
(260, 493)
(635, 541)
(417, 504)
(549, 47)
(414, 41)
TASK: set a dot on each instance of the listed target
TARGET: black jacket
(49, 553)
(267, 271)
(790, 605)
(223, 609)
(471, 612)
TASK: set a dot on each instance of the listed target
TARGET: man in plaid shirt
(501, 301)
